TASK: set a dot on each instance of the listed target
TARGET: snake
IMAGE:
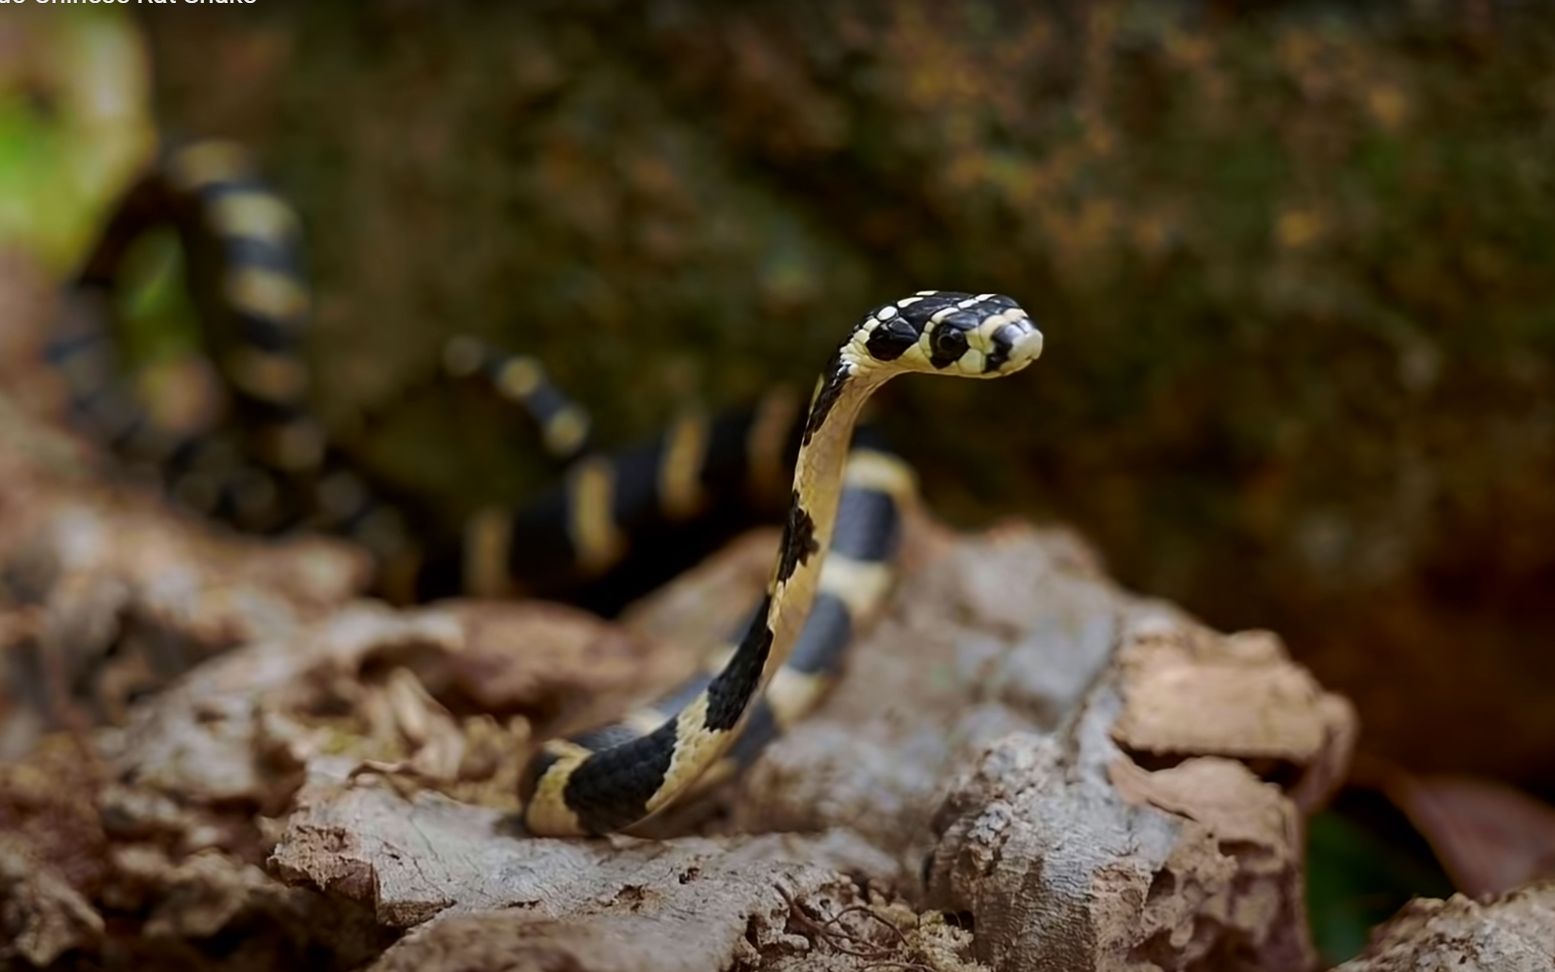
(275, 468)
(613, 779)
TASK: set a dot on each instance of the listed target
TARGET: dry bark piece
(1069, 854)
(211, 910)
(46, 809)
(891, 938)
(1514, 933)
(554, 662)
(119, 596)
(1186, 693)
(41, 916)
(212, 738)
(693, 903)
(52, 854)
(1190, 691)
(393, 688)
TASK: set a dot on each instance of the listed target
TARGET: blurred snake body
(841, 530)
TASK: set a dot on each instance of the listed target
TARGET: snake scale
(279, 470)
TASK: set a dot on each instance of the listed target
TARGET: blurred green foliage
(74, 121)
(1363, 864)
(157, 316)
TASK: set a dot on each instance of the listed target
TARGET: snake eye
(948, 344)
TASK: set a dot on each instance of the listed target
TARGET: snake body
(242, 243)
(615, 778)
(276, 469)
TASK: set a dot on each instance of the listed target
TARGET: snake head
(944, 332)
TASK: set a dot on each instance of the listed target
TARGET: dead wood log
(1013, 730)
(1092, 820)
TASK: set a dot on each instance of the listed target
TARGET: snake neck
(812, 511)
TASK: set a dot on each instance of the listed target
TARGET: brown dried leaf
(1490, 837)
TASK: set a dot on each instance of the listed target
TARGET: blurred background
(1295, 263)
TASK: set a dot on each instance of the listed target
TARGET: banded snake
(839, 534)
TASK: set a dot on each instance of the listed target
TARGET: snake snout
(1015, 345)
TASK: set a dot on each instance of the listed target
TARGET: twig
(878, 956)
